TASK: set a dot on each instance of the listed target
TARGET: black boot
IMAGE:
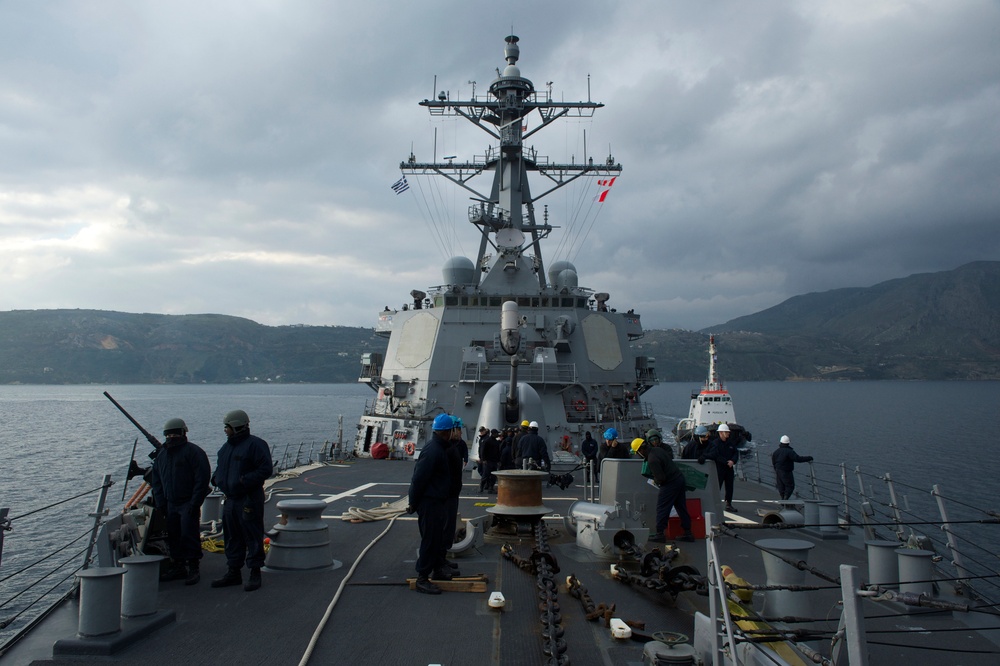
(174, 571)
(232, 577)
(425, 586)
(193, 573)
(253, 583)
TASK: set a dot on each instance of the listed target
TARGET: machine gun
(150, 437)
(134, 469)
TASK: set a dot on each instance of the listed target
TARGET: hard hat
(174, 424)
(533, 424)
(653, 433)
(610, 433)
(784, 439)
(723, 428)
(700, 431)
(443, 422)
(636, 443)
(525, 424)
(236, 419)
(459, 423)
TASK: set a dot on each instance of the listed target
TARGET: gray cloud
(237, 157)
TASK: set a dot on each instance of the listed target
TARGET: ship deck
(378, 619)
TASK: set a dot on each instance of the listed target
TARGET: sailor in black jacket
(244, 465)
(784, 459)
(431, 487)
(179, 478)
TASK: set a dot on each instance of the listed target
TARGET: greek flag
(400, 185)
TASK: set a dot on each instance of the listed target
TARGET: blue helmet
(458, 422)
(443, 422)
(700, 431)
(610, 433)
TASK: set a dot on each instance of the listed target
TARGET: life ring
(408, 448)
(580, 405)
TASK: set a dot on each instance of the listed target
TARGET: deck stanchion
(854, 619)
(956, 554)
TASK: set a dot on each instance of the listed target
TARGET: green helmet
(653, 433)
(236, 419)
(174, 425)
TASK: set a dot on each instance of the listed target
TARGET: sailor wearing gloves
(671, 491)
(244, 465)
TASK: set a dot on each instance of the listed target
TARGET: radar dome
(567, 278)
(558, 267)
(459, 270)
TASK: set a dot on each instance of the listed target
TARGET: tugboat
(505, 338)
(710, 406)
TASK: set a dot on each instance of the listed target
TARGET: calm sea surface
(58, 441)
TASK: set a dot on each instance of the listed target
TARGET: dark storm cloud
(236, 157)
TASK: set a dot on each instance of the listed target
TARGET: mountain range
(930, 326)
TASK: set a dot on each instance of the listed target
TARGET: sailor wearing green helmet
(179, 478)
(243, 466)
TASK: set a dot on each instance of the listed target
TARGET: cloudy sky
(236, 157)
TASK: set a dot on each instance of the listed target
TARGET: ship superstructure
(562, 358)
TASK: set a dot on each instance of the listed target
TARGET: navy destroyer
(561, 356)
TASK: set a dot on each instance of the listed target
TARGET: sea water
(59, 441)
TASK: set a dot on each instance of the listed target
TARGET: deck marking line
(348, 493)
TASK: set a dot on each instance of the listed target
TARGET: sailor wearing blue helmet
(431, 486)
(459, 457)
(611, 448)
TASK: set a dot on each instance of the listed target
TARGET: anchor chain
(554, 646)
(657, 575)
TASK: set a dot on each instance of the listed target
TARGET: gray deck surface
(379, 620)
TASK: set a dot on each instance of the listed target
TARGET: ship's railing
(964, 537)
(303, 453)
(32, 583)
(535, 373)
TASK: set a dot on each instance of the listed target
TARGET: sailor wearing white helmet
(724, 452)
(534, 449)
(784, 459)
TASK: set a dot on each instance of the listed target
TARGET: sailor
(698, 446)
(784, 459)
(671, 493)
(430, 488)
(506, 448)
(489, 459)
(458, 457)
(534, 448)
(516, 451)
(724, 452)
(244, 465)
(180, 477)
(612, 448)
(589, 450)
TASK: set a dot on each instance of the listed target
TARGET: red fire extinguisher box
(697, 521)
